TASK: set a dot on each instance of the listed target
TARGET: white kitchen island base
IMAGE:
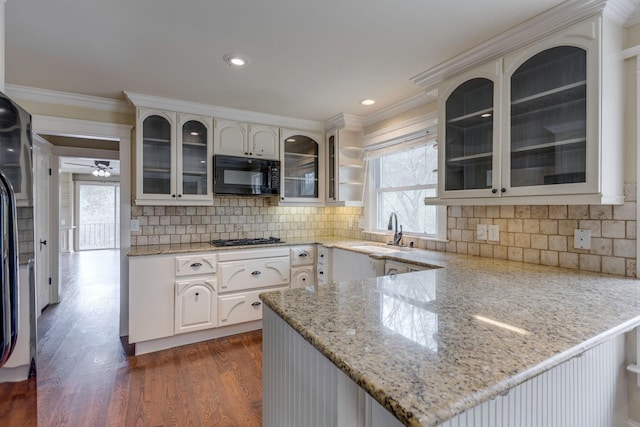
(302, 387)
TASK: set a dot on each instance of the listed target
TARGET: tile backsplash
(25, 230)
(238, 217)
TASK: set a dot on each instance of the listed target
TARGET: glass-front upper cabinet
(173, 159)
(301, 166)
(548, 112)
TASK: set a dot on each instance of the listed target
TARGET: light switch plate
(494, 233)
(481, 232)
(582, 239)
(134, 225)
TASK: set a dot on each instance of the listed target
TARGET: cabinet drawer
(302, 255)
(323, 275)
(302, 277)
(253, 274)
(195, 305)
(239, 308)
(323, 255)
(195, 264)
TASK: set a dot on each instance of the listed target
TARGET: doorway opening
(98, 215)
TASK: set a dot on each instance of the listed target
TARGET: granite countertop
(426, 345)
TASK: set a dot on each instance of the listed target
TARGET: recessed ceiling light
(194, 133)
(368, 102)
(236, 60)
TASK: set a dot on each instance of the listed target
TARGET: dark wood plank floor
(88, 377)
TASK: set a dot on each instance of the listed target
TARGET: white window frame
(371, 202)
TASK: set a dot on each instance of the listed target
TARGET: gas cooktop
(243, 242)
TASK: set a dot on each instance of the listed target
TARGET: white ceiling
(85, 165)
(309, 59)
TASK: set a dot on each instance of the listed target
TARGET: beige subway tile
(455, 234)
(569, 260)
(480, 211)
(461, 223)
(441, 246)
(455, 211)
(507, 239)
(467, 211)
(468, 235)
(461, 247)
(624, 248)
(626, 211)
(142, 240)
(473, 249)
(451, 246)
(531, 226)
(154, 240)
(514, 225)
(148, 210)
(558, 211)
(175, 238)
(601, 246)
(452, 222)
(590, 262)
(486, 250)
(549, 258)
(507, 212)
(472, 223)
(548, 226)
(540, 212)
(523, 211)
(614, 229)
(532, 256)
(134, 240)
(600, 212)
(632, 230)
(165, 240)
(515, 254)
(500, 252)
(578, 212)
(502, 224)
(594, 225)
(522, 240)
(539, 241)
(558, 243)
(566, 227)
(631, 268)
(493, 211)
(613, 265)
(630, 192)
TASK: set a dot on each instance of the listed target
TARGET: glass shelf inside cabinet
(156, 155)
(300, 167)
(548, 118)
(194, 158)
(469, 136)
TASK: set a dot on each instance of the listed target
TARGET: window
(402, 176)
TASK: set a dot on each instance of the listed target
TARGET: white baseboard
(631, 423)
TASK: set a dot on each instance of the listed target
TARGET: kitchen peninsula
(479, 342)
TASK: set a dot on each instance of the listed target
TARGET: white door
(42, 210)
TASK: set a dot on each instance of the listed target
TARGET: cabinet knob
(503, 190)
(494, 190)
(197, 293)
(281, 198)
(173, 195)
(246, 153)
(251, 154)
(321, 255)
(256, 304)
(320, 272)
(304, 279)
(179, 195)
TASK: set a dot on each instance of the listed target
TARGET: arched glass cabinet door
(156, 155)
(469, 136)
(194, 158)
(300, 167)
(549, 118)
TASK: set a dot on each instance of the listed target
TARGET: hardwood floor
(88, 377)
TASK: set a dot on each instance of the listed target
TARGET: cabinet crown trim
(564, 15)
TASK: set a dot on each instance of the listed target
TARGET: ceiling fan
(100, 168)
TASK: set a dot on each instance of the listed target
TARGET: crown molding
(344, 121)
(188, 107)
(621, 11)
(399, 107)
(33, 94)
(406, 130)
(554, 19)
(61, 126)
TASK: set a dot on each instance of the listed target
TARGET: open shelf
(472, 119)
(471, 157)
(554, 98)
(547, 147)
(156, 140)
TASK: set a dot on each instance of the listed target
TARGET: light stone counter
(432, 344)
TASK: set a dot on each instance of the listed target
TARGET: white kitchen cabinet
(393, 268)
(241, 307)
(301, 277)
(246, 140)
(302, 166)
(345, 168)
(323, 265)
(348, 265)
(302, 255)
(253, 273)
(189, 265)
(541, 125)
(196, 305)
(173, 154)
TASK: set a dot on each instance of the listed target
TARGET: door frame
(45, 148)
(51, 125)
(76, 208)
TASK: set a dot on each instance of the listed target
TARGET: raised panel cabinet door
(196, 305)
(230, 138)
(302, 277)
(263, 142)
(251, 274)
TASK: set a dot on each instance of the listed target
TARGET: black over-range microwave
(245, 176)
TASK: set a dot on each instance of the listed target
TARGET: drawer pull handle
(196, 265)
(303, 254)
(256, 273)
(304, 279)
(256, 304)
(320, 272)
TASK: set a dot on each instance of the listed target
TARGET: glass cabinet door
(331, 167)
(194, 158)
(300, 167)
(469, 136)
(548, 118)
(156, 155)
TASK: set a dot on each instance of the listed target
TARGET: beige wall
(407, 115)
(46, 109)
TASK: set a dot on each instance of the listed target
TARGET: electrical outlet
(481, 232)
(494, 233)
(134, 225)
(582, 239)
